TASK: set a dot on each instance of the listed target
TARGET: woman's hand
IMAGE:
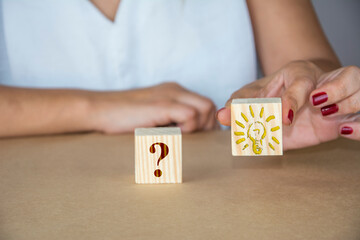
(161, 105)
(316, 106)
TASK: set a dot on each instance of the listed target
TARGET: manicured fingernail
(330, 109)
(346, 130)
(291, 115)
(319, 98)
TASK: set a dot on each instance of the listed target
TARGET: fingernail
(291, 115)
(346, 130)
(330, 109)
(319, 98)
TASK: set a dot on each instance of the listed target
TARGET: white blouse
(206, 46)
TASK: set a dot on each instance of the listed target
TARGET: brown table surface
(82, 187)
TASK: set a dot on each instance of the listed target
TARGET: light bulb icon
(253, 130)
(256, 133)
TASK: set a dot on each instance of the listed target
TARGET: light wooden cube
(256, 127)
(158, 155)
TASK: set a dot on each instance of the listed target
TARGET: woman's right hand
(160, 105)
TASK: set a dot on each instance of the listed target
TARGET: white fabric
(4, 63)
(205, 45)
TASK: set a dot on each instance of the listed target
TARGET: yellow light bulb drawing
(255, 129)
(256, 133)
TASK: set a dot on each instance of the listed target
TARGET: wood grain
(256, 127)
(146, 161)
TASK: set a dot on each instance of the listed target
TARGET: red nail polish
(346, 130)
(291, 115)
(330, 109)
(319, 98)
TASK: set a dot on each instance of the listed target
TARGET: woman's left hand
(317, 106)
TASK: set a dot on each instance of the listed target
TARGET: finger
(223, 115)
(184, 115)
(212, 123)
(350, 130)
(347, 106)
(247, 91)
(204, 106)
(294, 97)
(273, 88)
(336, 87)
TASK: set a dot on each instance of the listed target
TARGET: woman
(205, 46)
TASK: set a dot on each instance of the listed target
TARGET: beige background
(82, 187)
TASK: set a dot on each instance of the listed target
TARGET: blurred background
(341, 22)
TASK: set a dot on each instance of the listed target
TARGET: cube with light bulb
(256, 127)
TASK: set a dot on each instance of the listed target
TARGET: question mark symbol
(164, 153)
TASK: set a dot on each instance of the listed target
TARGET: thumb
(223, 115)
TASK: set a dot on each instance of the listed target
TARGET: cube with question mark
(158, 155)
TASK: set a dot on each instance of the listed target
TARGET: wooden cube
(256, 127)
(158, 155)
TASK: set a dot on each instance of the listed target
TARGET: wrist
(92, 110)
(83, 111)
(105, 110)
